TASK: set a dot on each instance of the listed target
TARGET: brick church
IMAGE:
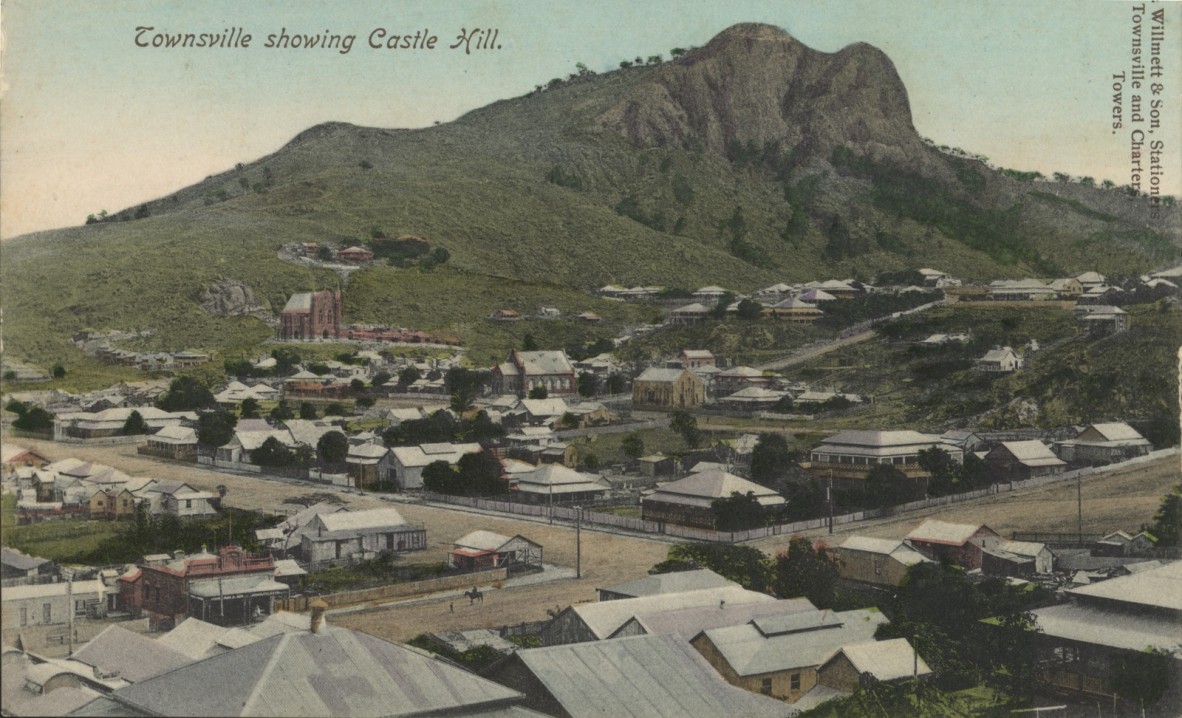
(312, 315)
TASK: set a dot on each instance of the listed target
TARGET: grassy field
(54, 540)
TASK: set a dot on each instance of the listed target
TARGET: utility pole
(578, 542)
(829, 500)
(70, 612)
(1079, 509)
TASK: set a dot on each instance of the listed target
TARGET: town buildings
(523, 371)
(689, 501)
(664, 389)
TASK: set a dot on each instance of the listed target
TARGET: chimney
(318, 607)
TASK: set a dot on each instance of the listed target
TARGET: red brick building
(230, 588)
(312, 315)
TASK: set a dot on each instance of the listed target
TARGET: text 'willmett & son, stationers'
(1139, 100)
(237, 38)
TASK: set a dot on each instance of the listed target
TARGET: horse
(474, 596)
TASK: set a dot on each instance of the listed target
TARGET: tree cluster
(476, 474)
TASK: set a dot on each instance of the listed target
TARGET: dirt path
(813, 352)
(1123, 499)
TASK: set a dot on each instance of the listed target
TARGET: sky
(90, 121)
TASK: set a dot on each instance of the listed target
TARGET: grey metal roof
(1100, 626)
(605, 617)
(1160, 588)
(671, 583)
(129, 655)
(750, 652)
(688, 622)
(335, 672)
(301, 302)
(20, 561)
(641, 677)
(887, 660)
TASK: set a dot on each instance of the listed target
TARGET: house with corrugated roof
(487, 549)
(694, 358)
(688, 314)
(689, 501)
(409, 461)
(1104, 443)
(319, 670)
(598, 621)
(659, 583)
(780, 656)
(851, 454)
(369, 464)
(1081, 644)
(652, 676)
(878, 561)
(890, 661)
(961, 544)
(555, 483)
(348, 536)
(1022, 460)
(999, 360)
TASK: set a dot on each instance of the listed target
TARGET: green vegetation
(474, 659)
(93, 542)
(1076, 205)
(1167, 522)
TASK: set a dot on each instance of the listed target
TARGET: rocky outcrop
(232, 298)
(756, 83)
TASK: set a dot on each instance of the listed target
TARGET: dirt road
(1120, 500)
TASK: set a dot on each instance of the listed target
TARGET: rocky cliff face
(755, 83)
(232, 298)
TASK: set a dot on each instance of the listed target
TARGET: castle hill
(695, 383)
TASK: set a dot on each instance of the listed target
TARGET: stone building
(658, 388)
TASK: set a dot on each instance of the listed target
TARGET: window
(24, 616)
(765, 686)
(794, 681)
(46, 612)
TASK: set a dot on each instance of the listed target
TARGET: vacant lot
(1124, 499)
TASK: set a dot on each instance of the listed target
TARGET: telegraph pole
(578, 542)
(1079, 509)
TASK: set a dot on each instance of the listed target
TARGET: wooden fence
(397, 590)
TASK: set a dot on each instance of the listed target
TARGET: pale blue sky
(90, 121)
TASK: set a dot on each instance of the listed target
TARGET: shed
(485, 549)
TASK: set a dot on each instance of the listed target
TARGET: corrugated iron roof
(649, 676)
(130, 656)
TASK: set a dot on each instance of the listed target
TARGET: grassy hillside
(531, 194)
(1073, 379)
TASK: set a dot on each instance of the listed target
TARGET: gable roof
(199, 640)
(1032, 453)
(544, 362)
(886, 660)
(671, 583)
(131, 656)
(895, 548)
(360, 521)
(335, 672)
(1116, 431)
(661, 374)
(649, 676)
(692, 620)
(703, 487)
(605, 617)
(932, 531)
(792, 641)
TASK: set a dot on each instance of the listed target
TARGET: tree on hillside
(308, 410)
(380, 378)
(58, 371)
(32, 418)
(464, 385)
(409, 375)
(686, 426)
(588, 384)
(805, 570)
(633, 446)
(216, 428)
(135, 424)
(538, 392)
(945, 472)
(529, 344)
(282, 412)
(745, 565)
(249, 408)
(1167, 522)
(750, 309)
(185, 394)
(616, 384)
(770, 458)
(332, 447)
